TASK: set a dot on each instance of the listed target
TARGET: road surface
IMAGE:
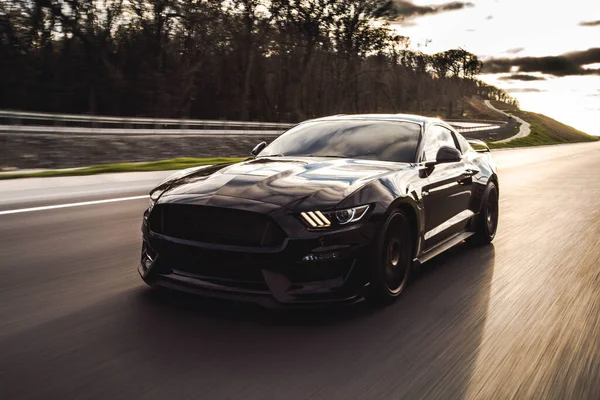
(516, 319)
(524, 129)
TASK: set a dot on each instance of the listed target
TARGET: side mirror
(259, 147)
(444, 155)
(448, 154)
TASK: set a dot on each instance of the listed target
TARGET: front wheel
(487, 220)
(392, 263)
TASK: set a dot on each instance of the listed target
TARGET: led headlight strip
(316, 219)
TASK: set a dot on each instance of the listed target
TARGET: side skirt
(441, 247)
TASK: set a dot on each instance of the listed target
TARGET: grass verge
(539, 137)
(544, 131)
(534, 139)
(162, 165)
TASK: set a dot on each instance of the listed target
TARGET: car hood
(295, 183)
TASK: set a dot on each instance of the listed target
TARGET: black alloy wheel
(486, 225)
(391, 271)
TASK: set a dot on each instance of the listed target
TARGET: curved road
(524, 129)
(516, 319)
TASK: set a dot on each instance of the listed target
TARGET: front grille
(223, 268)
(215, 225)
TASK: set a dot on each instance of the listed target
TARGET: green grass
(163, 165)
(544, 131)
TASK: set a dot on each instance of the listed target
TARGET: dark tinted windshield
(364, 139)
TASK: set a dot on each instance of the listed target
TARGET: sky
(544, 53)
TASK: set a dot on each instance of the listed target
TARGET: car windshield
(363, 139)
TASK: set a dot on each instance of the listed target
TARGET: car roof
(418, 119)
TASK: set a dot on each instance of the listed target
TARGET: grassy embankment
(163, 165)
(544, 130)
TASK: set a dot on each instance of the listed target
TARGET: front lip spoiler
(264, 298)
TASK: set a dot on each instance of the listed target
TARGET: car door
(447, 193)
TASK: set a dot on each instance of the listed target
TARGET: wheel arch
(412, 214)
(479, 192)
(494, 178)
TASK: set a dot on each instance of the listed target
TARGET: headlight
(351, 214)
(318, 219)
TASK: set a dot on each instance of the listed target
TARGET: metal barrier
(70, 124)
(18, 118)
(84, 131)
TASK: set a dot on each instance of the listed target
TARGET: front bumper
(336, 271)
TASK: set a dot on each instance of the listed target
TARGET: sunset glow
(498, 29)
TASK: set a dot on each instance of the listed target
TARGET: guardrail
(476, 125)
(19, 116)
(481, 128)
(28, 118)
(71, 124)
(83, 131)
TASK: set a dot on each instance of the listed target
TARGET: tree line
(268, 60)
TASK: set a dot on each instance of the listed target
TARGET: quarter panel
(487, 169)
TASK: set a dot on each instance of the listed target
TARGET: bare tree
(237, 59)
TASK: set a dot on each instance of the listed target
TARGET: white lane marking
(84, 203)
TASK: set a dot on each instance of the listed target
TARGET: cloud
(522, 77)
(563, 65)
(589, 23)
(516, 50)
(453, 6)
(589, 56)
(525, 90)
(401, 8)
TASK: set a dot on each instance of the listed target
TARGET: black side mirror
(448, 154)
(259, 147)
(444, 155)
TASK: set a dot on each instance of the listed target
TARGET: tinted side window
(437, 136)
(464, 145)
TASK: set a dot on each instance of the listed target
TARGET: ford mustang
(335, 210)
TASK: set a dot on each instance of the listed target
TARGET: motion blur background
(137, 89)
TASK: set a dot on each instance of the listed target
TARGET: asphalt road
(516, 319)
(524, 128)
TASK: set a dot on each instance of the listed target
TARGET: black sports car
(334, 210)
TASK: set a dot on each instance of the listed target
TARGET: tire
(392, 262)
(486, 224)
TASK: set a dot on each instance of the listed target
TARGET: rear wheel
(487, 220)
(392, 264)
